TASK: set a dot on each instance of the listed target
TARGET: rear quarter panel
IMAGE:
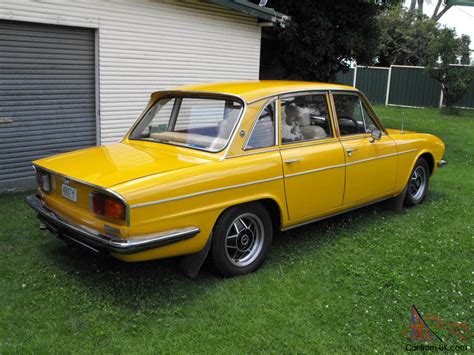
(196, 196)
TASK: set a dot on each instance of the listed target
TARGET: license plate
(69, 192)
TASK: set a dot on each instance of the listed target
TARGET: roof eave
(264, 14)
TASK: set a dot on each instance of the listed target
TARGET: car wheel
(242, 239)
(418, 183)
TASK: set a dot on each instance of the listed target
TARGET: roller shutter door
(47, 96)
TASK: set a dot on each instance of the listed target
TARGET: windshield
(201, 123)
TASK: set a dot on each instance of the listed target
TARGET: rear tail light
(43, 180)
(108, 206)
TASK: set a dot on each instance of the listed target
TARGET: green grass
(345, 284)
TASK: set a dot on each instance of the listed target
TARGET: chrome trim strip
(111, 192)
(309, 143)
(337, 131)
(277, 120)
(204, 192)
(198, 92)
(348, 164)
(303, 92)
(252, 153)
(145, 204)
(236, 127)
(381, 157)
(92, 239)
(268, 102)
(315, 170)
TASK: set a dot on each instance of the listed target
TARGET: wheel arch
(269, 203)
(429, 157)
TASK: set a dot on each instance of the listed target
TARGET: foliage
(444, 50)
(404, 37)
(322, 38)
(343, 285)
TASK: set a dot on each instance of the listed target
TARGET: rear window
(194, 122)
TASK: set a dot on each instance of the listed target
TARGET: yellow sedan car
(219, 168)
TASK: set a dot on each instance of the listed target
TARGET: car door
(312, 156)
(371, 165)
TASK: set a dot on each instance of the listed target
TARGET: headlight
(43, 180)
(108, 206)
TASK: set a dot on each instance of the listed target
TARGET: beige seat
(313, 132)
(301, 118)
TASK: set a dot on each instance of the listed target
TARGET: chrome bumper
(97, 242)
(442, 163)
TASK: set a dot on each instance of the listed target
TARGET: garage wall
(144, 46)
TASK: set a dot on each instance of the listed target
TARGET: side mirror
(376, 135)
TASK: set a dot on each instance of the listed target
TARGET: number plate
(69, 192)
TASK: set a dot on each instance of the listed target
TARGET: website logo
(432, 333)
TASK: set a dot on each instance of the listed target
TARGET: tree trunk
(413, 5)
(448, 98)
(420, 6)
(435, 12)
(438, 15)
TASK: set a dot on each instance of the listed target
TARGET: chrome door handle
(291, 161)
(350, 150)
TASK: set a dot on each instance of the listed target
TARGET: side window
(352, 116)
(263, 133)
(305, 118)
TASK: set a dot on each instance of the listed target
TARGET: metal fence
(400, 85)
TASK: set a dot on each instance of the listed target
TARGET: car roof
(255, 90)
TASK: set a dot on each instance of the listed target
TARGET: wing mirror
(375, 136)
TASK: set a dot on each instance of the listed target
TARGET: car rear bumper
(96, 242)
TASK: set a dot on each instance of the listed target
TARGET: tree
(404, 37)
(465, 51)
(321, 39)
(440, 8)
(444, 50)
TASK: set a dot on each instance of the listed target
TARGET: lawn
(342, 285)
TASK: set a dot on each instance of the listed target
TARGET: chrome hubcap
(244, 239)
(418, 182)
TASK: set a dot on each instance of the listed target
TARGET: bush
(455, 80)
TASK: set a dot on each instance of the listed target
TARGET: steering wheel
(354, 129)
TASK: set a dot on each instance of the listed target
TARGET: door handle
(291, 161)
(350, 150)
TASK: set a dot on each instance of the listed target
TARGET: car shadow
(161, 282)
(133, 286)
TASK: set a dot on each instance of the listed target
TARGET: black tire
(417, 186)
(245, 230)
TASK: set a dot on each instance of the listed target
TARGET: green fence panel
(372, 81)
(411, 86)
(346, 78)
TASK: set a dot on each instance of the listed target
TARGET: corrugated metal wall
(411, 86)
(47, 95)
(373, 83)
(345, 78)
(150, 45)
